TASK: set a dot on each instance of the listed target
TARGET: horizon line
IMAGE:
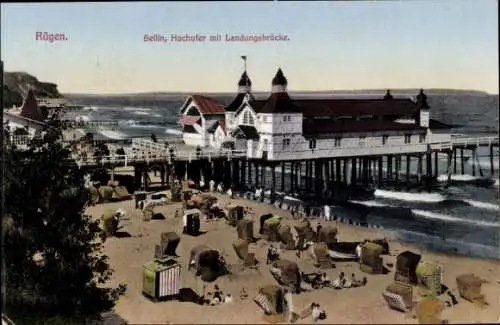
(289, 91)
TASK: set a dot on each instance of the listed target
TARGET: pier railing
(148, 157)
(478, 141)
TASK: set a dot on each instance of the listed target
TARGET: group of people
(217, 297)
(342, 281)
(317, 312)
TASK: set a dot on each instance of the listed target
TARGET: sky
(332, 45)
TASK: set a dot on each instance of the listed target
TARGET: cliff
(17, 84)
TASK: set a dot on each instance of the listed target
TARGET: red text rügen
(50, 37)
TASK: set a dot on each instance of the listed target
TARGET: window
(248, 118)
(337, 141)
(407, 138)
(421, 138)
(312, 144)
(286, 143)
(287, 118)
(384, 139)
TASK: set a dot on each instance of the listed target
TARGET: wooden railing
(148, 157)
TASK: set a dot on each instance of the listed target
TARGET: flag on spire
(244, 57)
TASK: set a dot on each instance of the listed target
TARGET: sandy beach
(353, 305)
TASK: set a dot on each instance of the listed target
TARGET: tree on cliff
(52, 251)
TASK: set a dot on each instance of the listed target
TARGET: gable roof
(30, 108)
(278, 103)
(208, 105)
(216, 124)
(236, 103)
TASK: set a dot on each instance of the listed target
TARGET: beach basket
(370, 258)
(234, 214)
(169, 243)
(245, 230)
(152, 211)
(276, 298)
(95, 196)
(121, 193)
(406, 266)
(321, 254)
(286, 237)
(328, 234)
(110, 223)
(403, 290)
(161, 279)
(376, 267)
(241, 249)
(429, 311)
(106, 193)
(429, 279)
(469, 287)
(139, 196)
(395, 301)
(271, 226)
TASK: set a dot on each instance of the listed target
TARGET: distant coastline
(363, 92)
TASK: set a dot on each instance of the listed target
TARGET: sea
(463, 218)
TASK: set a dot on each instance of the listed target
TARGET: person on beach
(325, 281)
(347, 282)
(339, 281)
(272, 254)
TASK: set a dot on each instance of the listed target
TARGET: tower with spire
(279, 83)
(245, 84)
(423, 115)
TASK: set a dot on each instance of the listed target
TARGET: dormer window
(287, 118)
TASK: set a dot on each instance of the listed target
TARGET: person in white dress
(211, 184)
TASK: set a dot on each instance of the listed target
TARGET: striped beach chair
(264, 302)
(396, 302)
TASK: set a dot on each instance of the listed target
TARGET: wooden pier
(320, 176)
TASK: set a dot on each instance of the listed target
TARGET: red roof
(321, 127)
(188, 120)
(208, 105)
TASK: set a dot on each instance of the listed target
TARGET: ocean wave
(410, 197)
(445, 217)
(483, 205)
(173, 131)
(141, 113)
(458, 177)
(484, 162)
(371, 203)
(115, 135)
(445, 244)
(137, 109)
(91, 108)
(146, 126)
